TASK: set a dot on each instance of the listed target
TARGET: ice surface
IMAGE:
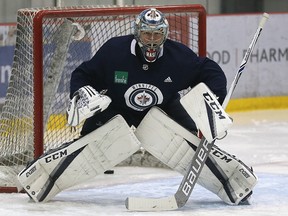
(259, 138)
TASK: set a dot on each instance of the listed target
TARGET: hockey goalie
(158, 86)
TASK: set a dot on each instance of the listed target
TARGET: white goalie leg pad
(163, 138)
(227, 176)
(222, 174)
(205, 110)
(79, 161)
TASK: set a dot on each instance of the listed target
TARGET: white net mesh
(55, 38)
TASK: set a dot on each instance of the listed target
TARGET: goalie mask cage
(50, 44)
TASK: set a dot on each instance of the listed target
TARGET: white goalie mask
(151, 31)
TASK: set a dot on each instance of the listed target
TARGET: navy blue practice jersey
(135, 85)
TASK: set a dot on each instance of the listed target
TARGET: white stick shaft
(245, 59)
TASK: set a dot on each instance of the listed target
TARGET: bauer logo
(195, 170)
(121, 77)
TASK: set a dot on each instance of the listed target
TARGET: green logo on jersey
(121, 77)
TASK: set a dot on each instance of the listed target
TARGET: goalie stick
(180, 198)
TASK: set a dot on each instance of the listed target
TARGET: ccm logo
(56, 156)
(210, 100)
(221, 155)
(31, 171)
(244, 173)
(194, 172)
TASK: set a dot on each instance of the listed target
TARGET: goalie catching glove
(85, 103)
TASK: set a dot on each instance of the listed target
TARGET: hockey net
(50, 44)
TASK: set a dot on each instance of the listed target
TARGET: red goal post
(50, 43)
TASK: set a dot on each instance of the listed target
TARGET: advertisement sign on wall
(266, 72)
(228, 37)
(7, 44)
(6, 60)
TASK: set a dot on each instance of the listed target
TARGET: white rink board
(266, 74)
(228, 36)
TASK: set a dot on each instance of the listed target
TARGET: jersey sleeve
(214, 77)
(91, 72)
(199, 69)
